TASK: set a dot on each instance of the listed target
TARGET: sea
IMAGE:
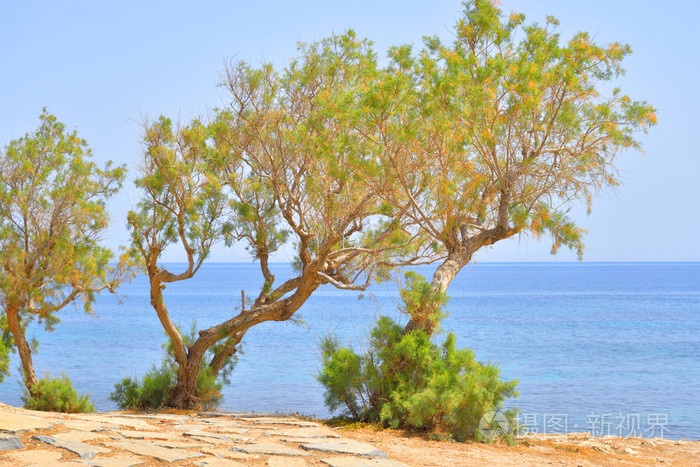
(604, 348)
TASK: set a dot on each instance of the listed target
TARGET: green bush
(56, 395)
(153, 390)
(150, 392)
(406, 381)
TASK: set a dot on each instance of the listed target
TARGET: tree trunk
(184, 394)
(25, 351)
(424, 319)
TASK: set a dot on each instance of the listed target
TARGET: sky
(101, 67)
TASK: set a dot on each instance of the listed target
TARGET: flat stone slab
(277, 461)
(232, 439)
(79, 436)
(238, 414)
(218, 462)
(224, 452)
(207, 434)
(84, 425)
(117, 462)
(260, 428)
(85, 451)
(354, 448)
(155, 416)
(303, 433)
(188, 427)
(232, 429)
(14, 423)
(133, 423)
(138, 434)
(349, 461)
(280, 421)
(143, 448)
(269, 449)
(10, 443)
(180, 444)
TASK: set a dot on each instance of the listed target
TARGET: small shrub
(153, 390)
(56, 395)
(404, 380)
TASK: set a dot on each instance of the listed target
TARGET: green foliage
(149, 393)
(56, 395)
(154, 389)
(52, 213)
(406, 381)
(420, 297)
(6, 346)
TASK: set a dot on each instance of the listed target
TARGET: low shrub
(153, 390)
(56, 395)
(404, 380)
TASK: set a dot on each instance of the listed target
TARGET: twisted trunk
(184, 394)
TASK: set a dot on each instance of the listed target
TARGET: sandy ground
(578, 449)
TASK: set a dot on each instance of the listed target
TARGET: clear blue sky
(100, 66)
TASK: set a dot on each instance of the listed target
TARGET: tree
(498, 134)
(52, 213)
(281, 164)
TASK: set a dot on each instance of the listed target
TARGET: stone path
(29, 438)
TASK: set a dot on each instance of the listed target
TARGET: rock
(188, 427)
(155, 416)
(138, 434)
(117, 462)
(237, 414)
(232, 438)
(218, 462)
(84, 425)
(280, 421)
(206, 434)
(269, 449)
(85, 451)
(631, 452)
(349, 461)
(79, 436)
(354, 448)
(10, 443)
(224, 452)
(133, 423)
(180, 444)
(144, 448)
(277, 461)
(232, 429)
(303, 433)
(14, 423)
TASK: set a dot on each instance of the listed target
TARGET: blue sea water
(609, 348)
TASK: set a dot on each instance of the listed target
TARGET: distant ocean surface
(609, 348)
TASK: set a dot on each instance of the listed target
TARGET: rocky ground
(117, 439)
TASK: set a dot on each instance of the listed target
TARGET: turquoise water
(610, 348)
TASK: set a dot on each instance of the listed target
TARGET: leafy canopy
(52, 213)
